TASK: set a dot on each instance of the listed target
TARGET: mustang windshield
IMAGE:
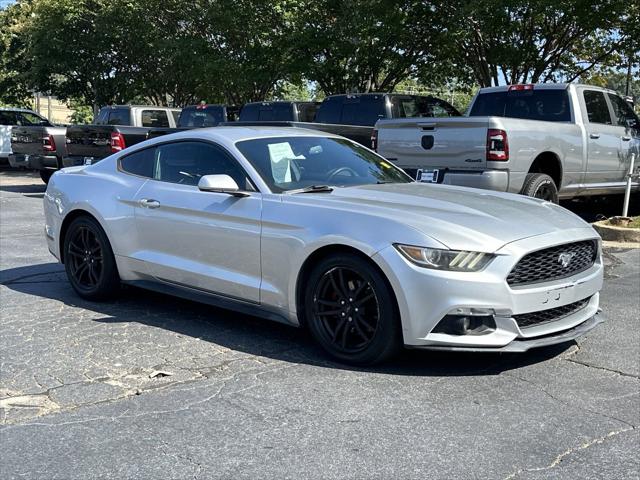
(292, 163)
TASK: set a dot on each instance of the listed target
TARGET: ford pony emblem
(564, 259)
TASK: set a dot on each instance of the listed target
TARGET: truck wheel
(540, 185)
(45, 175)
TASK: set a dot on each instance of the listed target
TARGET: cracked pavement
(153, 387)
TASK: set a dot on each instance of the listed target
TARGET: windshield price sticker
(281, 155)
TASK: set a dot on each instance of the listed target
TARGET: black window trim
(612, 115)
(182, 140)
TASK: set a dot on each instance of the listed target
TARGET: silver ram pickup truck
(547, 141)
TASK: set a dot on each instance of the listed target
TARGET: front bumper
(426, 296)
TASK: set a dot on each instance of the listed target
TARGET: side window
(119, 116)
(176, 116)
(103, 116)
(625, 115)
(155, 118)
(597, 108)
(186, 162)
(8, 118)
(139, 163)
(29, 119)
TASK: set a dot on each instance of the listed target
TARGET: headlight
(454, 260)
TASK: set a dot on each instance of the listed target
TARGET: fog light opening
(466, 325)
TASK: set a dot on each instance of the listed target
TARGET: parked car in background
(200, 116)
(278, 111)
(12, 117)
(548, 141)
(40, 148)
(353, 116)
(115, 128)
(313, 230)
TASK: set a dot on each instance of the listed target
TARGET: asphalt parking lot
(156, 387)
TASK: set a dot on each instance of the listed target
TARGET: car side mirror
(220, 184)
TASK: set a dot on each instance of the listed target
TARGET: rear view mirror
(220, 184)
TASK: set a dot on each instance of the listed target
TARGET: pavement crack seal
(564, 402)
(612, 370)
(559, 459)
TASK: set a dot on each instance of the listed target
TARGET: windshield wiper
(312, 189)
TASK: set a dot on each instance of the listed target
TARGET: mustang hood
(460, 218)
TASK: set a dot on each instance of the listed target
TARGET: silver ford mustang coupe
(316, 231)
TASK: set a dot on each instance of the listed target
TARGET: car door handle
(625, 138)
(594, 135)
(149, 203)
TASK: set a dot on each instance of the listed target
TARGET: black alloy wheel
(89, 260)
(351, 311)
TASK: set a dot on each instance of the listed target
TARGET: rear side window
(8, 118)
(549, 105)
(119, 116)
(597, 108)
(139, 163)
(625, 116)
(155, 118)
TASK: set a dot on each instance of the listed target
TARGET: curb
(617, 234)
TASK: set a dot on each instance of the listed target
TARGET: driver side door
(207, 241)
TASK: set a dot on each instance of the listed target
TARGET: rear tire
(89, 261)
(45, 175)
(351, 311)
(540, 185)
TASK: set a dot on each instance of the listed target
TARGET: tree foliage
(530, 41)
(179, 52)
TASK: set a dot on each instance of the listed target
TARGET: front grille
(552, 314)
(545, 265)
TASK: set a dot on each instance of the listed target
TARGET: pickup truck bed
(548, 141)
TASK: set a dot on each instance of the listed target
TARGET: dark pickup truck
(38, 148)
(354, 116)
(200, 116)
(116, 127)
(279, 112)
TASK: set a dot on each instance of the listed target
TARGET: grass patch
(635, 223)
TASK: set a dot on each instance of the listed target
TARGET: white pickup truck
(548, 141)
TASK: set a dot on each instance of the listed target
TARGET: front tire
(45, 175)
(540, 185)
(351, 311)
(89, 261)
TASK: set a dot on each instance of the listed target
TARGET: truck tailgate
(89, 140)
(28, 140)
(32, 140)
(453, 142)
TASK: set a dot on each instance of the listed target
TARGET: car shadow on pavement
(28, 189)
(249, 334)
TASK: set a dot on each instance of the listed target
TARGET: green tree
(15, 87)
(86, 49)
(529, 41)
(368, 45)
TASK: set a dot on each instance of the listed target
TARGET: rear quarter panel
(105, 194)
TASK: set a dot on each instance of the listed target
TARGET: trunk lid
(419, 143)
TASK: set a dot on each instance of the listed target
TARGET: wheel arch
(548, 162)
(317, 256)
(68, 220)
